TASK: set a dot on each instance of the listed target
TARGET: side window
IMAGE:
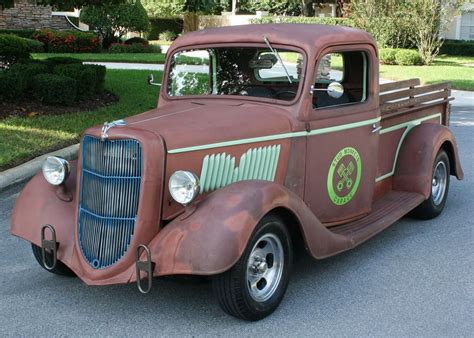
(190, 75)
(350, 69)
(273, 71)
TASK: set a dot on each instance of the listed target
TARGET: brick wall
(25, 15)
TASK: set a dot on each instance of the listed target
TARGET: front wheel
(254, 287)
(59, 269)
(434, 205)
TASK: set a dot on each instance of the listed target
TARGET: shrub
(134, 48)
(13, 49)
(35, 46)
(167, 36)
(89, 78)
(131, 41)
(11, 86)
(408, 57)
(22, 33)
(55, 89)
(68, 41)
(458, 47)
(25, 74)
(387, 56)
(162, 24)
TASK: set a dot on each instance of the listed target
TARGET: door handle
(376, 128)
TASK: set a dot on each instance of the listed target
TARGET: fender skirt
(415, 162)
(211, 239)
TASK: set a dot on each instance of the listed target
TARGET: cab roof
(307, 36)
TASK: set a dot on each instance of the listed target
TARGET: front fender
(212, 239)
(38, 204)
(415, 162)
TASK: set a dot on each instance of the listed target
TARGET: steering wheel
(285, 95)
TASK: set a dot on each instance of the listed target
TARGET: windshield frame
(292, 48)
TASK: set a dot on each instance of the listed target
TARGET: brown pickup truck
(266, 138)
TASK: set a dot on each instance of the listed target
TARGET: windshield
(248, 71)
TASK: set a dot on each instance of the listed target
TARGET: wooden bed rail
(409, 93)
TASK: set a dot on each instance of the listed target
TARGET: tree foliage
(406, 23)
(113, 21)
(164, 8)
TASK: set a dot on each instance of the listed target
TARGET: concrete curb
(29, 169)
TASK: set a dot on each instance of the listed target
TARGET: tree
(113, 21)
(406, 23)
(164, 8)
(431, 19)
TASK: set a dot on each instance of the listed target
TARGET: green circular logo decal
(344, 176)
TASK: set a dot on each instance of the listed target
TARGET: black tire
(59, 269)
(232, 287)
(434, 205)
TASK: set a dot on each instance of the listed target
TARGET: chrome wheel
(265, 267)
(438, 184)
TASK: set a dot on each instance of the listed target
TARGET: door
(343, 138)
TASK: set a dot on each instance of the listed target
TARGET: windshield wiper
(274, 51)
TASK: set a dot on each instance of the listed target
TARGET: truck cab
(265, 138)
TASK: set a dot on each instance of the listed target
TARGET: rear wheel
(434, 205)
(59, 269)
(254, 287)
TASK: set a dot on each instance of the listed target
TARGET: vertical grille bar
(110, 191)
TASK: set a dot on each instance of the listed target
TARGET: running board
(386, 211)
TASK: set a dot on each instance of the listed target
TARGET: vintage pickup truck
(266, 138)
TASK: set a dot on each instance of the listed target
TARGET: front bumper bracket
(147, 266)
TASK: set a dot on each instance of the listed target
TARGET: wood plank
(414, 91)
(399, 85)
(415, 101)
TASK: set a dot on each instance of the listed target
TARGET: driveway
(414, 279)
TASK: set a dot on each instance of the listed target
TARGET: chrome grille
(110, 192)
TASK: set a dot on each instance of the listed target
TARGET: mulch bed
(31, 108)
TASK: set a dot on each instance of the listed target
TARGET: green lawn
(23, 138)
(108, 57)
(458, 70)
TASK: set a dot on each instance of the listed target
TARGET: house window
(347, 68)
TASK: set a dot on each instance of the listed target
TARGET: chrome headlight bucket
(56, 170)
(183, 186)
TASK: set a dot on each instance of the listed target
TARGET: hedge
(458, 47)
(54, 89)
(399, 56)
(68, 41)
(305, 20)
(22, 33)
(408, 57)
(44, 80)
(13, 49)
(89, 78)
(387, 56)
(163, 24)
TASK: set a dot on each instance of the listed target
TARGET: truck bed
(407, 96)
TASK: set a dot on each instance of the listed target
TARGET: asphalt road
(414, 279)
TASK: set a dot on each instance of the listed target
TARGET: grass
(108, 57)
(445, 68)
(23, 138)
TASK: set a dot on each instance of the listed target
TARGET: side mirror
(151, 81)
(335, 90)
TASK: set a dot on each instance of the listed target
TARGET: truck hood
(191, 124)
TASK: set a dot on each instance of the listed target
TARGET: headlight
(184, 186)
(55, 170)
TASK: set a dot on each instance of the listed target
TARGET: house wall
(25, 15)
